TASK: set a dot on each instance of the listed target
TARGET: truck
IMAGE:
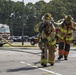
(4, 34)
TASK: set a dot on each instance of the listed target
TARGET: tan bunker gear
(48, 38)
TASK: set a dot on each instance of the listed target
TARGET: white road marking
(22, 62)
(41, 68)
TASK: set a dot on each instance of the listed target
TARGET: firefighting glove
(44, 40)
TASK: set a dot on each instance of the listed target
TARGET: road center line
(41, 68)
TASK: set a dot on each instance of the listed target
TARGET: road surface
(26, 61)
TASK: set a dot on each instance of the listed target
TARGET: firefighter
(47, 38)
(65, 37)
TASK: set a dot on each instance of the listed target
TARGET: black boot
(65, 58)
(51, 64)
(60, 57)
(44, 65)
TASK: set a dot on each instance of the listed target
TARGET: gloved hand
(44, 40)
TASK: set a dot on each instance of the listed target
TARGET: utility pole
(23, 22)
(12, 18)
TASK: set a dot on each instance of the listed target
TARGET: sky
(33, 1)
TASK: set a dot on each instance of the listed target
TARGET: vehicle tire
(74, 42)
(32, 43)
(1, 45)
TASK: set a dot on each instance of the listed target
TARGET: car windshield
(4, 29)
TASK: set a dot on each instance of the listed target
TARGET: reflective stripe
(48, 38)
(52, 32)
(43, 61)
(69, 39)
(51, 61)
(66, 53)
(61, 52)
(65, 31)
(39, 40)
(52, 43)
(60, 36)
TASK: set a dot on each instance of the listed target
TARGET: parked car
(25, 38)
(16, 38)
(33, 40)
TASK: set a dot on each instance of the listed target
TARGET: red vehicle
(33, 40)
(4, 34)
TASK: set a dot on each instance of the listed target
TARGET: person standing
(65, 37)
(47, 40)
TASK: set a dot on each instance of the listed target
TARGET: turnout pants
(49, 51)
(64, 48)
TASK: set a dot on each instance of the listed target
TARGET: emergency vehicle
(4, 34)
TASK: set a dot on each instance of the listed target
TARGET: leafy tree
(11, 13)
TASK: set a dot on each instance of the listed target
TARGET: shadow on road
(24, 68)
(21, 69)
(24, 50)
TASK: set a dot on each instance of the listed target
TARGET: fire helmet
(68, 17)
(47, 17)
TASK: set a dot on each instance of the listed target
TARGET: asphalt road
(26, 61)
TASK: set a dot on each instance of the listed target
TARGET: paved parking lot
(26, 61)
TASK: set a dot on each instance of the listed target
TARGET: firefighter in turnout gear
(65, 37)
(46, 40)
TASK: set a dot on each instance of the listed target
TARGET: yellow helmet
(47, 16)
(68, 17)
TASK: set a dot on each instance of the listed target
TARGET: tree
(33, 13)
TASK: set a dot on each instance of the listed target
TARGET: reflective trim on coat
(65, 31)
(52, 43)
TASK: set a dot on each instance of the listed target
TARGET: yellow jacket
(66, 33)
(50, 36)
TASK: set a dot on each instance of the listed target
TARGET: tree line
(11, 13)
